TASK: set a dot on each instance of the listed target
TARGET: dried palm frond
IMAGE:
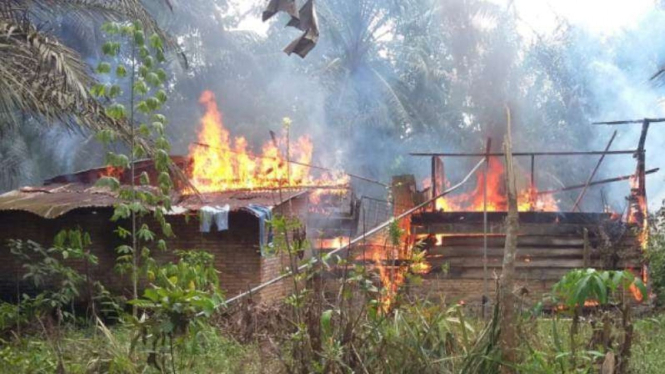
(84, 11)
(44, 78)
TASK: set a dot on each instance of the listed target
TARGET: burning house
(225, 210)
(231, 225)
(463, 234)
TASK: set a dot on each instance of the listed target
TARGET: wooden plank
(496, 262)
(499, 228)
(529, 274)
(450, 252)
(429, 218)
(524, 241)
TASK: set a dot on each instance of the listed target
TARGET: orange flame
(334, 243)
(637, 294)
(527, 199)
(220, 163)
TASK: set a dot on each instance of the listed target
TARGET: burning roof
(56, 198)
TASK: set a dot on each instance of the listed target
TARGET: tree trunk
(508, 337)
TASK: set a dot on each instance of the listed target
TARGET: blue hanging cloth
(264, 214)
(217, 214)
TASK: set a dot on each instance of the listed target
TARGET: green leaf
(116, 111)
(161, 96)
(601, 290)
(110, 182)
(143, 107)
(103, 68)
(161, 73)
(153, 79)
(140, 87)
(153, 103)
(139, 37)
(158, 127)
(145, 179)
(121, 71)
(126, 30)
(105, 136)
(148, 61)
(144, 52)
(143, 71)
(139, 151)
(161, 58)
(144, 130)
(110, 28)
(151, 294)
(115, 91)
(111, 48)
(326, 322)
(156, 42)
(98, 90)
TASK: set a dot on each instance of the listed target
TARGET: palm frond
(44, 78)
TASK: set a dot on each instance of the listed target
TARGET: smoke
(387, 79)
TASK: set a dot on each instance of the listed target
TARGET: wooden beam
(524, 154)
(604, 181)
(523, 241)
(631, 122)
(593, 174)
(526, 229)
(524, 252)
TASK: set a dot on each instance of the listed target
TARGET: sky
(601, 18)
(604, 17)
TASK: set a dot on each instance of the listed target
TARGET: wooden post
(532, 191)
(586, 255)
(485, 299)
(641, 168)
(433, 182)
(508, 337)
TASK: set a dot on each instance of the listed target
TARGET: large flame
(497, 200)
(220, 163)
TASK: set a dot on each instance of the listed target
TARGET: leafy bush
(656, 255)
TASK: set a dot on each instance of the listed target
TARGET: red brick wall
(236, 251)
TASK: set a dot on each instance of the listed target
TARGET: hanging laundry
(264, 214)
(219, 215)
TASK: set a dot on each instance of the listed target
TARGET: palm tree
(44, 81)
(43, 78)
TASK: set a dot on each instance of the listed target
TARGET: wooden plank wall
(546, 251)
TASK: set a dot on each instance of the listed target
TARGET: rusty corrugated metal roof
(54, 200)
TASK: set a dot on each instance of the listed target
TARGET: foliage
(139, 63)
(44, 81)
(581, 285)
(656, 254)
(107, 350)
(181, 297)
(51, 271)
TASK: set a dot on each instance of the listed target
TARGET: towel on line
(214, 214)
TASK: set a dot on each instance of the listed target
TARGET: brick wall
(236, 251)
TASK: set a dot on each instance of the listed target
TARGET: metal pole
(487, 167)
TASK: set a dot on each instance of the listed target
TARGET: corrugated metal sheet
(54, 200)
